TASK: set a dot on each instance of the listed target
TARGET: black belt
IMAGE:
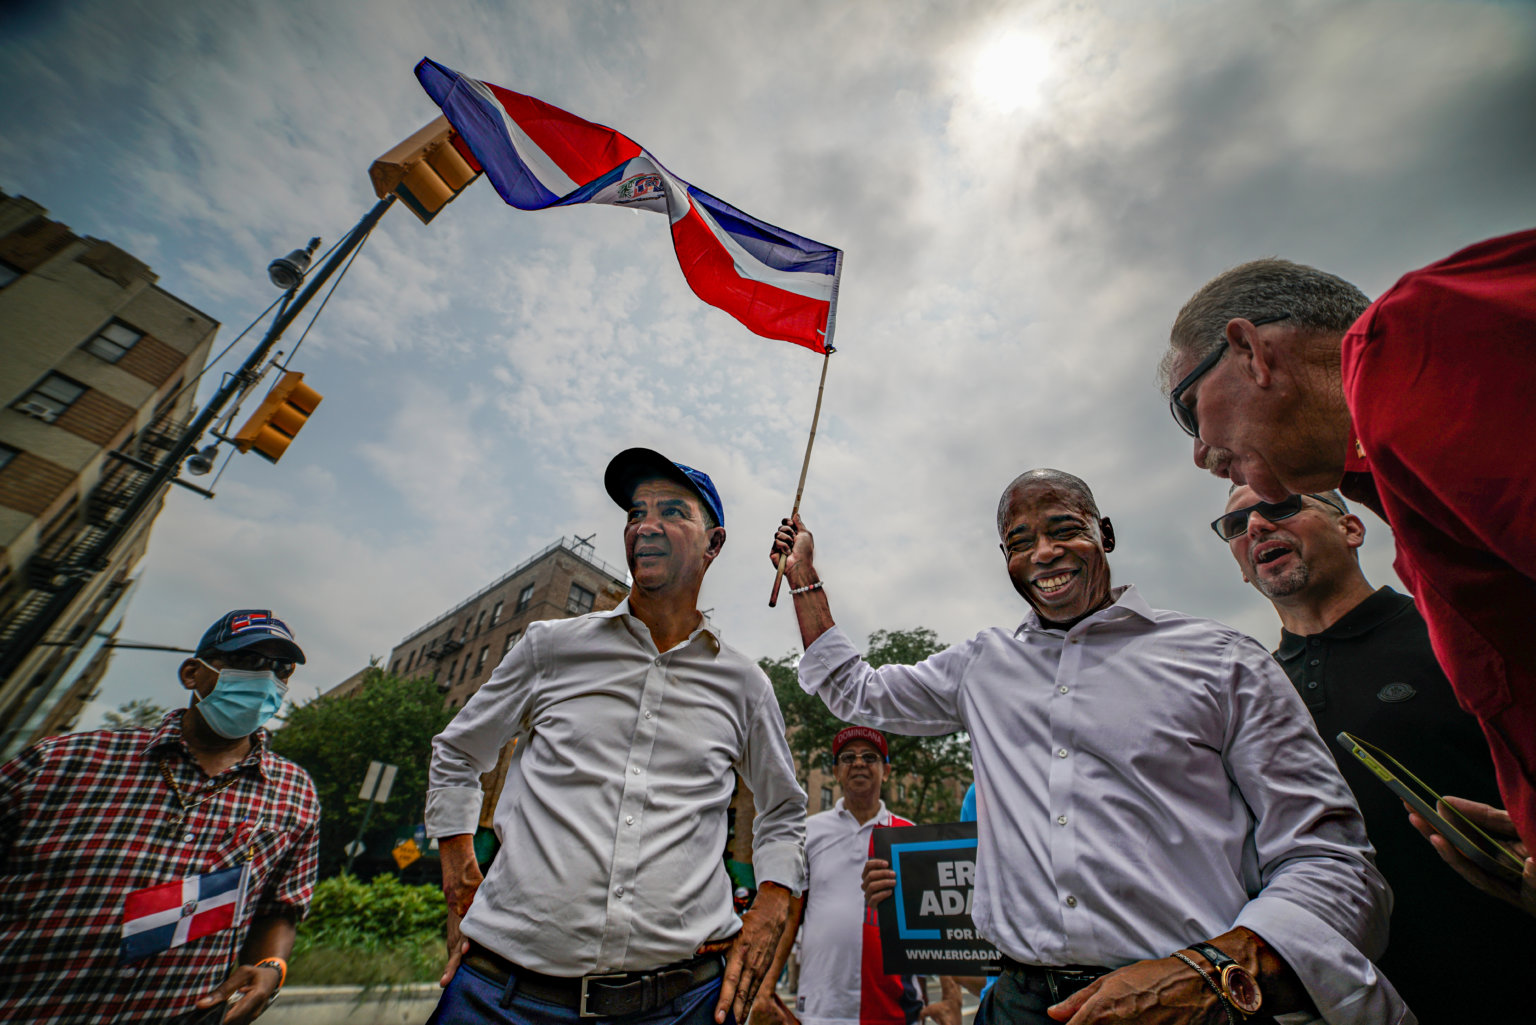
(1060, 982)
(600, 996)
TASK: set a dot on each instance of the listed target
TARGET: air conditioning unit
(38, 411)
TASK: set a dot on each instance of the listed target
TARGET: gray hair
(1074, 486)
(1314, 299)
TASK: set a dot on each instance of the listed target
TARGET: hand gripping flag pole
(778, 577)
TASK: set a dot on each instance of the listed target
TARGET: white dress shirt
(613, 816)
(1145, 780)
(832, 933)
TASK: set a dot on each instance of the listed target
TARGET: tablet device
(1481, 849)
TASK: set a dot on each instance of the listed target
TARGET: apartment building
(97, 365)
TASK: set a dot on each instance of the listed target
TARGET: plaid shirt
(87, 818)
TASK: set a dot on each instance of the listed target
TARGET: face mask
(241, 701)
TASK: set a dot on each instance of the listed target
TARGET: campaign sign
(926, 928)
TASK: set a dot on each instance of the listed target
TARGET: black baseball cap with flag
(634, 465)
(245, 628)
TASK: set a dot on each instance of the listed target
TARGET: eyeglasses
(1182, 414)
(252, 662)
(1235, 523)
(868, 758)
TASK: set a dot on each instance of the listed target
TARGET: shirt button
(629, 820)
(618, 891)
(636, 770)
(647, 715)
(1071, 902)
(1061, 820)
(1062, 753)
(1316, 642)
(1063, 688)
(1311, 685)
(1315, 662)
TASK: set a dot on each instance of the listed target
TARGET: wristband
(279, 965)
(1215, 988)
(808, 588)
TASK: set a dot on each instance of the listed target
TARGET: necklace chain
(181, 799)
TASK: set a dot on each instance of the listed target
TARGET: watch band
(1221, 997)
(1226, 966)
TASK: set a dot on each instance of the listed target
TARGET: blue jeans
(472, 999)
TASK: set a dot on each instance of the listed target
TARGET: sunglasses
(1182, 414)
(250, 661)
(1235, 523)
(868, 758)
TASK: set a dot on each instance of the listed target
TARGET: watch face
(1242, 989)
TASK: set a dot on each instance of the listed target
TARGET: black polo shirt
(1374, 674)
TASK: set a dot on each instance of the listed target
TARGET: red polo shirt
(1440, 377)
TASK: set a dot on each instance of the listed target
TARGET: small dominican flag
(779, 284)
(168, 915)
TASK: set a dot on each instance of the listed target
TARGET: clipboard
(1481, 849)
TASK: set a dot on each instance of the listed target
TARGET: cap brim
(276, 647)
(634, 465)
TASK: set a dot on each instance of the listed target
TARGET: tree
(138, 712)
(933, 761)
(388, 719)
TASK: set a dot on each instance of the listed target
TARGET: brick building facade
(97, 365)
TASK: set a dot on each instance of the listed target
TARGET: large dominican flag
(168, 915)
(779, 284)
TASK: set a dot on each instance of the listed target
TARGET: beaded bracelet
(1220, 996)
(806, 589)
(279, 964)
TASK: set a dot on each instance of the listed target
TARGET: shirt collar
(168, 734)
(882, 817)
(639, 629)
(1128, 601)
(1381, 606)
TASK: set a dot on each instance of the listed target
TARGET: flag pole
(778, 578)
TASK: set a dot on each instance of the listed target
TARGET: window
(395, 669)
(451, 667)
(523, 598)
(580, 600)
(479, 622)
(511, 640)
(464, 635)
(6, 455)
(8, 274)
(410, 661)
(480, 665)
(496, 613)
(826, 798)
(112, 341)
(52, 396)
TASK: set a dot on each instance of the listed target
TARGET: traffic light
(427, 170)
(286, 408)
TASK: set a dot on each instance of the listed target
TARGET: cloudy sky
(1026, 193)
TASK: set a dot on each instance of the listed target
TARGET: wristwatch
(1238, 986)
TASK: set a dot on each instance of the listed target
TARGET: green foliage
(388, 719)
(934, 761)
(138, 712)
(377, 933)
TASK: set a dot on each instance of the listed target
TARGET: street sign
(354, 848)
(376, 784)
(406, 853)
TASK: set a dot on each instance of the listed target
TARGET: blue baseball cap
(634, 465)
(244, 628)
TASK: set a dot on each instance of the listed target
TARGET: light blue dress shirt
(1151, 780)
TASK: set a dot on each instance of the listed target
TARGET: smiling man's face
(860, 770)
(1056, 551)
(1283, 558)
